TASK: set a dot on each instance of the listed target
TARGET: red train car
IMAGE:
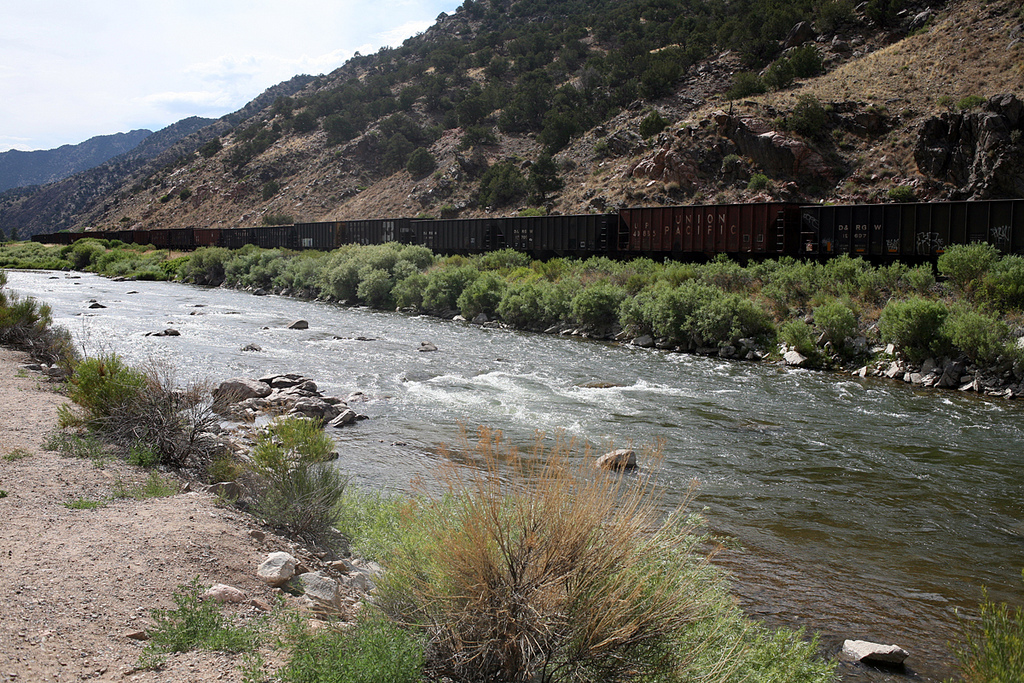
(769, 228)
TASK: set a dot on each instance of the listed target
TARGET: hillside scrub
(27, 324)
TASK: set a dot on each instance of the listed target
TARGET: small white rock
(277, 569)
(873, 653)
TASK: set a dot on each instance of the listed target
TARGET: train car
(574, 235)
(236, 238)
(206, 237)
(911, 230)
(181, 238)
(161, 239)
(322, 236)
(770, 228)
(275, 237)
(460, 235)
(375, 231)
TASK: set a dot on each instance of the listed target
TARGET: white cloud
(70, 70)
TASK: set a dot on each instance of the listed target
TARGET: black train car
(206, 237)
(321, 236)
(275, 237)
(181, 238)
(460, 235)
(374, 231)
(913, 230)
(236, 238)
(579, 235)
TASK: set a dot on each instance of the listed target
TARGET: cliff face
(927, 103)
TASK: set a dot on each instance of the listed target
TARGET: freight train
(910, 231)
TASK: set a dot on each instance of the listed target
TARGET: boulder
(480, 319)
(873, 653)
(220, 592)
(427, 346)
(96, 305)
(319, 587)
(799, 34)
(299, 325)
(169, 332)
(621, 459)
(346, 417)
(794, 358)
(315, 408)
(252, 347)
(277, 569)
(644, 341)
(239, 389)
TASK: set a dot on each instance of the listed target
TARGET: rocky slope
(929, 104)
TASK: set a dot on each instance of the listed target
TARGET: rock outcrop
(981, 153)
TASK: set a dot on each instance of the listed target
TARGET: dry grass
(545, 568)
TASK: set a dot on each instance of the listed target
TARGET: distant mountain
(22, 169)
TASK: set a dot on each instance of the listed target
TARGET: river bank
(76, 584)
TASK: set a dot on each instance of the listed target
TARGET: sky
(74, 69)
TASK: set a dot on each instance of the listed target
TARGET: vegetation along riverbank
(961, 330)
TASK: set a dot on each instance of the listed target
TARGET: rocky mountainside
(922, 102)
(21, 169)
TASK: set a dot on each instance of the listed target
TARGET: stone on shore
(873, 653)
(318, 587)
(239, 389)
(299, 325)
(795, 358)
(621, 459)
(277, 569)
(221, 592)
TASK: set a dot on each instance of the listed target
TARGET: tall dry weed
(543, 568)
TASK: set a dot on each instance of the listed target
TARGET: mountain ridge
(38, 167)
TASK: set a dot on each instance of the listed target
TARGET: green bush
(758, 182)
(27, 324)
(967, 264)
(800, 336)
(745, 84)
(837, 321)
(298, 486)
(1004, 283)
(980, 336)
(522, 306)
(991, 649)
(808, 117)
(445, 285)
(970, 102)
(85, 251)
(376, 650)
(501, 185)
(597, 306)
(901, 194)
(421, 162)
(105, 386)
(914, 326)
(482, 295)
(408, 292)
(374, 288)
(195, 624)
(652, 124)
(919, 278)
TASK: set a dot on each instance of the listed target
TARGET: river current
(862, 508)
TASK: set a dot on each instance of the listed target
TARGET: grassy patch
(16, 454)
(84, 504)
(196, 624)
(991, 649)
(155, 486)
(78, 446)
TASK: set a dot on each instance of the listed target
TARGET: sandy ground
(73, 583)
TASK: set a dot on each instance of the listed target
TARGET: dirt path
(74, 582)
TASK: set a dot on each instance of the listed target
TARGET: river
(863, 508)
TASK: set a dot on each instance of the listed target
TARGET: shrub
(837, 322)
(482, 295)
(800, 336)
(501, 184)
(408, 292)
(270, 188)
(298, 486)
(758, 182)
(901, 193)
(745, 84)
(195, 624)
(421, 162)
(277, 219)
(991, 649)
(84, 252)
(979, 336)
(574, 576)
(1004, 283)
(211, 148)
(374, 287)
(27, 324)
(970, 102)
(522, 306)
(374, 651)
(808, 117)
(597, 306)
(144, 410)
(914, 326)
(652, 124)
(966, 264)
(445, 285)
(919, 278)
